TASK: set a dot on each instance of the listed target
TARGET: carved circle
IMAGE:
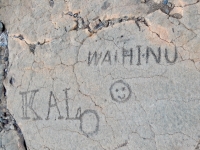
(120, 91)
(85, 118)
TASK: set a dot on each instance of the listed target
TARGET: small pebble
(165, 2)
(20, 37)
(12, 127)
(32, 48)
(51, 3)
(177, 16)
(75, 15)
(70, 13)
(170, 5)
(166, 9)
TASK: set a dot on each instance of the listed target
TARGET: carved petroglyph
(86, 118)
(89, 119)
(120, 91)
(110, 74)
(132, 56)
(53, 105)
(29, 104)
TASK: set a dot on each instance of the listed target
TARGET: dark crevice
(25, 145)
(3, 27)
(7, 122)
(32, 46)
(81, 23)
(19, 37)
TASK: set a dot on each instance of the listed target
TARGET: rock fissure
(7, 121)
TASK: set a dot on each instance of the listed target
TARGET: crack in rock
(7, 122)
(99, 24)
(32, 47)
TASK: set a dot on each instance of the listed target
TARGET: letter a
(53, 105)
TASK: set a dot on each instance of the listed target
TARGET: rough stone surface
(100, 75)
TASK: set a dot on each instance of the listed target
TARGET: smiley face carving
(120, 91)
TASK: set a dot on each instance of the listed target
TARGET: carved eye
(123, 88)
(116, 90)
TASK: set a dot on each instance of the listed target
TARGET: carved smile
(122, 97)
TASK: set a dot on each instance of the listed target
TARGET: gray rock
(105, 75)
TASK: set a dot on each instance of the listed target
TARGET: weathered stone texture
(103, 75)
